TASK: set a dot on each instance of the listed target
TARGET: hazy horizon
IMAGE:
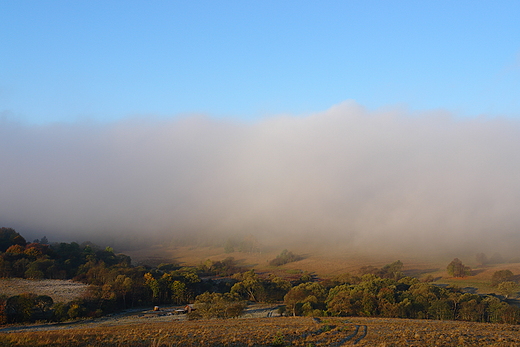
(387, 179)
(370, 125)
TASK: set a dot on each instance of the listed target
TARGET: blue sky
(63, 61)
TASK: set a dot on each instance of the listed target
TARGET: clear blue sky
(105, 60)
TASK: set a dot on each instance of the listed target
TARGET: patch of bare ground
(58, 290)
(293, 331)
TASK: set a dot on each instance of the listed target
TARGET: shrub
(284, 258)
(501, 276)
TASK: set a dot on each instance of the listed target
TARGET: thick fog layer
(348, 176)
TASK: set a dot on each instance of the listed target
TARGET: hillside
(327, 263)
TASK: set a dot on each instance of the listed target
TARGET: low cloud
(366, 179)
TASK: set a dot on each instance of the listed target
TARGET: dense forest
(222, 288)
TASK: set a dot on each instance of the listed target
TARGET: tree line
(407, 297)
(222, 288)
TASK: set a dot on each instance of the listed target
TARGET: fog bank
(386, 179)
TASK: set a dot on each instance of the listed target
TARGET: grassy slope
(328, 263)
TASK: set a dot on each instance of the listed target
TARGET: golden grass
(294, 331)
(322, 261)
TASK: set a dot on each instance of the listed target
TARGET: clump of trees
(504, 281)
(217, 305)
(251, 287)
(393, 270)
(373, 296)
(25, 308)
(284, 258)
(457, 269)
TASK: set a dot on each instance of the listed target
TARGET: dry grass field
(293, 331)
(326, 263)
(322, 261)
(153, 330)
(58, 290)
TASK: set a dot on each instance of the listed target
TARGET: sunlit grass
(293, 331)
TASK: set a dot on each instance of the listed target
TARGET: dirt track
(133, 316)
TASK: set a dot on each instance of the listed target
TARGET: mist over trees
(345, 176)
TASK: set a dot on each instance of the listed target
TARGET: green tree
(457, 269)
(284, 258)
(501, 276)
(153, 285)
(344, 300)
(19, 308)
(249, 286)
(122, 286)
(179, 292)
(216, 305)
(311, 292)
(508, 288)
(440, 309)
(393, 270)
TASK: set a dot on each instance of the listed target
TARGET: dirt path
(363, 334)
(360, 337)
(133, 316)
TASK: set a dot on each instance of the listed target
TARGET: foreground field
(294, 331)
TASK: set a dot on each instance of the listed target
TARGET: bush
(284, 258)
